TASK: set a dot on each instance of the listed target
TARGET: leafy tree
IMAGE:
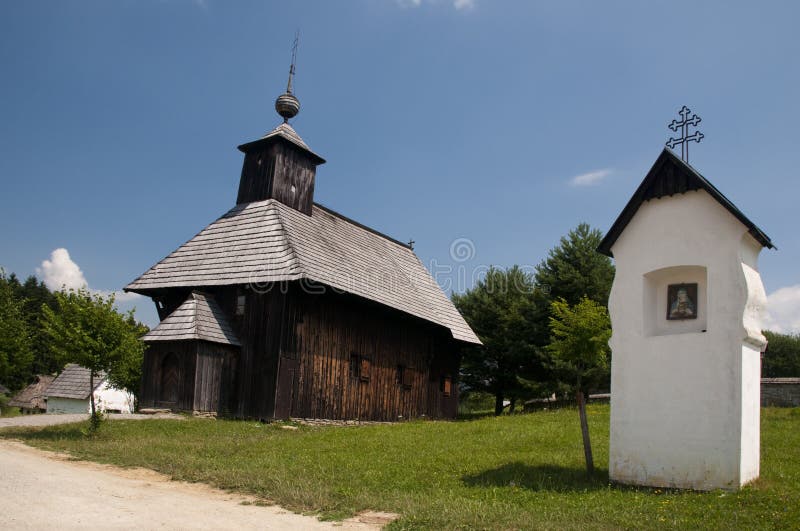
(579, 345)
(15, 342)
(782, 357)
(499, 309)
(86, 329)
(126, 373)
(572, 270)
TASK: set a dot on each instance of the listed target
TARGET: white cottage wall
(106, 398)
(684, 394)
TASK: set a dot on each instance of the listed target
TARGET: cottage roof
(267, 241)
(73, 382)
(669, 176)
(32, 397)
(199, 317)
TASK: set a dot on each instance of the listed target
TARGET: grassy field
(512, 472)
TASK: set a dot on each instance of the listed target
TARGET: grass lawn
(512, 472)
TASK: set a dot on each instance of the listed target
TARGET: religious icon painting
(681, 301)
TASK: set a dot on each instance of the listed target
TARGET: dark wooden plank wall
(304, 341)
(186, 353)
(272, 170)
(259, 331)
(208, 376)
(328, 329)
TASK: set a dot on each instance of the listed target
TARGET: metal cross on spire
(687, 119)
(294, 60)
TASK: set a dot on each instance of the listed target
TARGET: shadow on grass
(540, 477)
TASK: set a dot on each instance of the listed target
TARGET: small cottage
(32, 399)
(284, 308)
(70, 392)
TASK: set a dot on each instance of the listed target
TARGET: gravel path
(47, 490)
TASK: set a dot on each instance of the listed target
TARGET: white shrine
(686, 345)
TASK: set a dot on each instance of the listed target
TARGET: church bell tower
(280, 165)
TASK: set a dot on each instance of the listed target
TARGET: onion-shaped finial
(287, 106)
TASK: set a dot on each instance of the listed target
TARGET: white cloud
(60, 272)
(463, 4)
(590, 179)
(783, 310)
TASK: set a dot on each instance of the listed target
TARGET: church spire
(279, 165)
(287, 104)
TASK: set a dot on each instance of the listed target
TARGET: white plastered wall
(106, 398)
(685, 394)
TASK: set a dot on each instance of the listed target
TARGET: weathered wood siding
(324, 333)
(280, 171)
(203, 370)
(153, 394)
(296, 360)
(259, 331)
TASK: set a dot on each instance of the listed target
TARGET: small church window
(404, 376)
(446, 385)
(359, 367)
(365, 367)
(240, 303)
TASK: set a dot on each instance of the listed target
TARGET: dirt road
(43, 490)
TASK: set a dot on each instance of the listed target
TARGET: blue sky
(440, 120)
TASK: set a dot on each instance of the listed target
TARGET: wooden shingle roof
(669, 176)
(267, 241)
(32, 397)
(199, 317)
(284, 132)
(73, 382)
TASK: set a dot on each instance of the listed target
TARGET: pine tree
(16, 358)
(499, 309)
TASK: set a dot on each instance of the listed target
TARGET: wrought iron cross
(687, 119)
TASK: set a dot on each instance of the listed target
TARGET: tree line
(43, 330)
(546, 331)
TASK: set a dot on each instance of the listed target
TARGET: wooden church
(284, 308)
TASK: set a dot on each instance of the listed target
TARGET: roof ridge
(193, 303)
(287, 235)
(642, 195)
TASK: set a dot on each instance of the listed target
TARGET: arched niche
(661, 289)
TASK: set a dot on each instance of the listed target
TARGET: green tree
(16, 357)
(34, 293)
(579, 345)
(782, 357)
(86, 329)
(499, 309)
(572, 270)
(126, 372)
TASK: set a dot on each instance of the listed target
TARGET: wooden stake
(587, 445)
